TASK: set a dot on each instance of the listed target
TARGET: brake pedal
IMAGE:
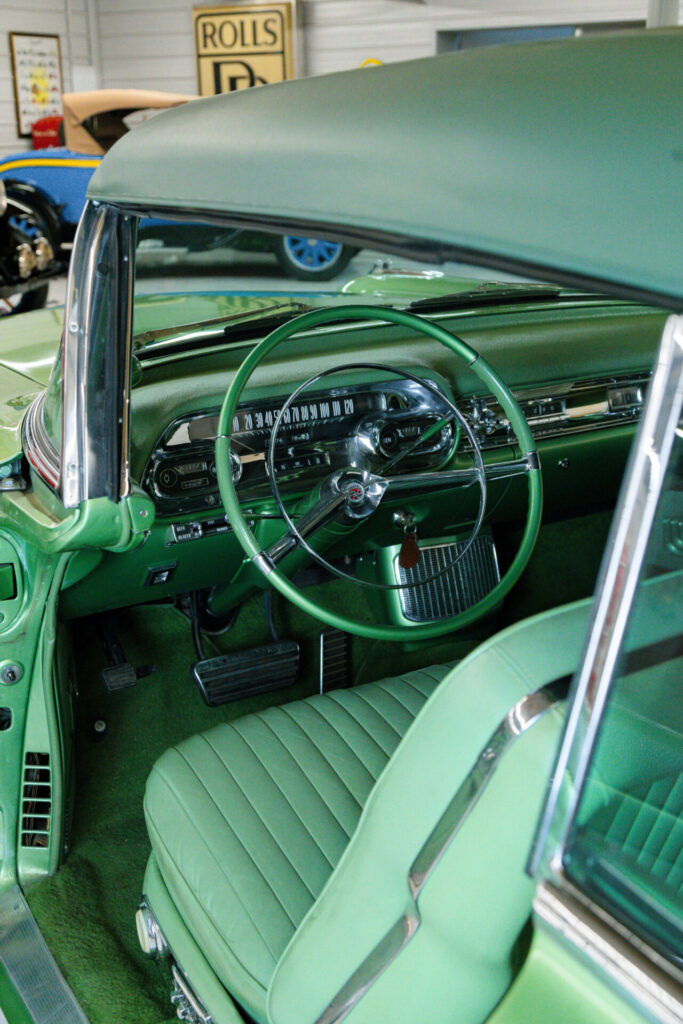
(335, 660)
(230, 677)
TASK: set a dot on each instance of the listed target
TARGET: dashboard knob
(168, 478)
(389, 439)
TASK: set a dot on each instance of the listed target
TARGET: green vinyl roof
(563, 156)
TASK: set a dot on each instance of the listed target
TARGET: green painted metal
(555, 985)
(492, 382)
(11, 1003)
(25, 642)
(517, 152)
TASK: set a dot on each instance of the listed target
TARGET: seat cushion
(276, 796)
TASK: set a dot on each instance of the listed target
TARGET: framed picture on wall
(37, 77)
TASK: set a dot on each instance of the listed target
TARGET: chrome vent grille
(36, 805)
(458, 588)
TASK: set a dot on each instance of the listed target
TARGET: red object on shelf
(46, 132)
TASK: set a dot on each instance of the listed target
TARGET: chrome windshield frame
(616, 590)
(96, 357)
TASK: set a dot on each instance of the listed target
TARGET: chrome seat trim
(525, 712)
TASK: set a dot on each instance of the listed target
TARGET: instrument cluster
(328, 430)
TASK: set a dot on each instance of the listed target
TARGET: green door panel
(556, 985)
(27, 641)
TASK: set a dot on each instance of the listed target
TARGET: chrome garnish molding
(38, 448)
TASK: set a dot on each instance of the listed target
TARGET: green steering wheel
(266, 561)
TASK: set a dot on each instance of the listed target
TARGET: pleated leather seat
(248, 820)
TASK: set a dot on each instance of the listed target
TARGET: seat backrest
(388, 940)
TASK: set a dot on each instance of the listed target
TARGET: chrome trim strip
(264, 562)
(127, 298)
(616, 589)
(186, 1002)
(31, 967)
(525, 712)
(96, 346)
(618, 955)
(37, 444)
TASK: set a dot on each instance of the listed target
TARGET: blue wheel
(312, 258)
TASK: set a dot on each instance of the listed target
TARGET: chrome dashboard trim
(628, 965)
(524, 713)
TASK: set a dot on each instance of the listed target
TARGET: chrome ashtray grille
(457, 588)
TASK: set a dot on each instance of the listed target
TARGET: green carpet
(86, 911)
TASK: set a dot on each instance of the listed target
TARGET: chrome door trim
(525, 712)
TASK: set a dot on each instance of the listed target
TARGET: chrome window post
(96, 357)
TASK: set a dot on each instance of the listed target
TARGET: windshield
(199, 284)
(190, 273)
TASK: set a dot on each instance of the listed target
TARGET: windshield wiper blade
(187, 331)
(486, 295)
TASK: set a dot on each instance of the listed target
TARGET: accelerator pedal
(230, 677)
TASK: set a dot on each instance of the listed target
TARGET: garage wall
(343, 33)
(66, 18)
(148, 43)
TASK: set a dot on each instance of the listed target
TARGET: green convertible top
(564, 155)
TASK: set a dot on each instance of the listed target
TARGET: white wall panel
(65, 18)
(149, 43)
(342, 33)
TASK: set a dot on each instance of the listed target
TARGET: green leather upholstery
(285, 839)
(248, 820)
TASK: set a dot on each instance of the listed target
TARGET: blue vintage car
(52, 184)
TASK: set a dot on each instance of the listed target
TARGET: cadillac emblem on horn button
(355, 493)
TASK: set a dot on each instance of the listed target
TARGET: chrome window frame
(96, 357)
(616, 591)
